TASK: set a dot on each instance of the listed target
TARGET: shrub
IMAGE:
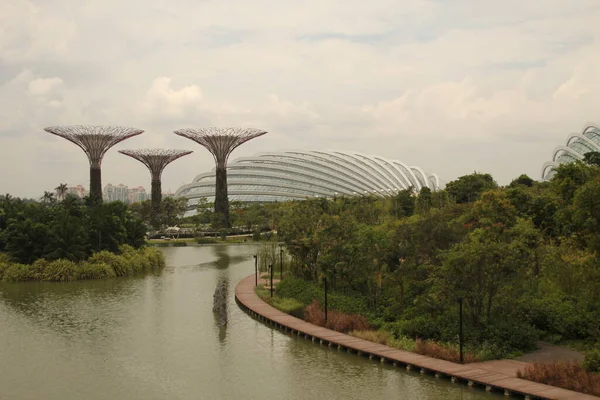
(135, 259)
(155, 258)
(564, 375)
(418, 328)
(404, 343)
(592, 360)
(442, 352)
(60, 270)
(4, 263)
(336, 320)
(205, 240)
(17, 273)
(380, 337)
(306, 292)
(88, 270)
(118, 263)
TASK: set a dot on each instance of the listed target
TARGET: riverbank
(100, 265)
(490, 379)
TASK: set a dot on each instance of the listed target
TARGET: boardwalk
(491, 378)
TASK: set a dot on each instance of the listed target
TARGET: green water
(156, 338)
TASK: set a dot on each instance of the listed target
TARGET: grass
(569, 375)
(380, 337)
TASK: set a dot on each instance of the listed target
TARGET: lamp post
(255, 270)
(460, 328)
(271, 273)
(325, 284)
(280, 262)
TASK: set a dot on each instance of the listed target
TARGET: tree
(403, 203)
(467, 188)
(61, 191)
(477, 269)
(523, 180)
(569, 177)
(592, 158)
(48, 198)
(172, 210)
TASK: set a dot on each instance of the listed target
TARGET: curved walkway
(249, 301)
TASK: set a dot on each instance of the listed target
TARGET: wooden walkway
(490, 379)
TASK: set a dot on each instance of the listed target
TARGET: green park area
(523, 259)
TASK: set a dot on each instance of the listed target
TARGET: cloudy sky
(452, 86)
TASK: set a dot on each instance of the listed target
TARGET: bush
(118, 263)
(418, 328)
(103, 264)
(592, 360)
(205, 240)
(88, 270)
(336, 320)
(17, 273)
(564, 375)
(155, 258)
(306, 292)
(443, 352)
(60, 271)
(4, 263)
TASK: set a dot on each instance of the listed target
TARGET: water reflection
(156, 337)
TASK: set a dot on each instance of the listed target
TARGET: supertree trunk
(221, 198)
(156, 200)
(96, 184)
(95, 141)
(221, 142)
(155, 160)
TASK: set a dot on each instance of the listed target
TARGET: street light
(325, 284)
(280, 262)
(460, 328)
(271, 273)
(255, 270)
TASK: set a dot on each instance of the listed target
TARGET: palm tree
(61, 191)
(48, 197)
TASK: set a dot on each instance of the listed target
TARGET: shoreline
(251, 303)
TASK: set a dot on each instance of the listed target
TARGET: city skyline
(451, 87)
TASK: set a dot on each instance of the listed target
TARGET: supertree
(220, 142)
(156, 160)
(95, 141)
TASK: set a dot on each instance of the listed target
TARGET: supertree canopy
(95, 141)
(156, 160)
(220, 142)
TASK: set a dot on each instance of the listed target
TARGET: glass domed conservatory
(577, 145)
(298, 175)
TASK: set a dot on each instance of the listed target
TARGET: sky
(452, 86)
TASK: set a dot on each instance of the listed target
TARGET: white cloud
(162, 98)
(43, 86)
(450, 86)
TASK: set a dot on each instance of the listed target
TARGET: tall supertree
(156, 160)
(220, 142)
(95, 141)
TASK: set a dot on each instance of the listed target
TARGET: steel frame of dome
(299, 174)
(577, 145)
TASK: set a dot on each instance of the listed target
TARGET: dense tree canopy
(69, 229)
(524, 258)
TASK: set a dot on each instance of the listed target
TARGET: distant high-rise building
(78, 191)
(123, 194)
